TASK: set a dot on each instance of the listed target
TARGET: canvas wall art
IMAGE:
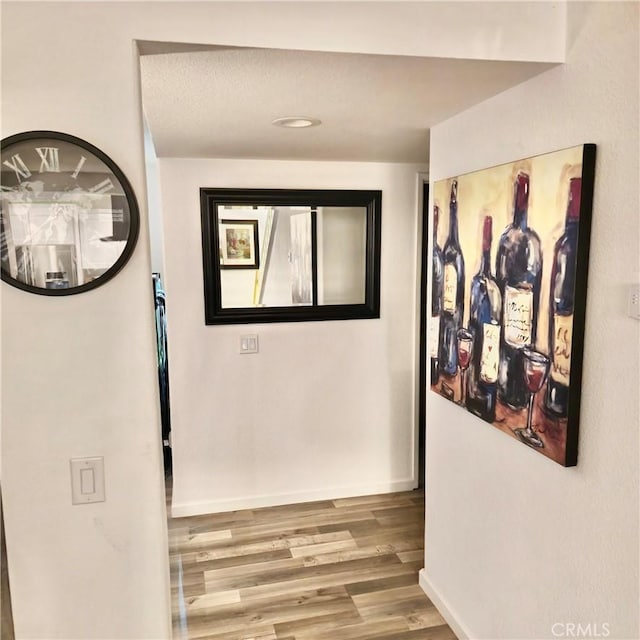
(509, 282)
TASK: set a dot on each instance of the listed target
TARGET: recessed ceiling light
(296, 122)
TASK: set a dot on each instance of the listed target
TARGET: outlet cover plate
(87, 480)
(634, 301)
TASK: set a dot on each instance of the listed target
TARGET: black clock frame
(134, 214)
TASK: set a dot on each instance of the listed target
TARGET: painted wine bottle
(485, 315)
(563, 280)
(436, 299)
(518, 273)
(452, 290)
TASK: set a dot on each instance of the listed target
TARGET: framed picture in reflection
(239, 246)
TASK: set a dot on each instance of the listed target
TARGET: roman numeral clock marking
(102, 187)
(50, 163)
(49, 159)
(17, 164)
(79, 166)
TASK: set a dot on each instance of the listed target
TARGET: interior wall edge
(443, 607)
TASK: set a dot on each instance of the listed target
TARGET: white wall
(79, 373)
(154, 205)
(325, 409)
(515, 543)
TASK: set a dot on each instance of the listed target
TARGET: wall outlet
(249, 343)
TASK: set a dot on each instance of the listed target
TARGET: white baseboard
(453, 620)
(184, 509)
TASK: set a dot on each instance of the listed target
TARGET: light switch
(87, 480)
(249, 343)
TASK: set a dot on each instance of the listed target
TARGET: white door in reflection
(300, 258)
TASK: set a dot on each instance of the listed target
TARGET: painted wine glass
(535, 367)
(465, 344)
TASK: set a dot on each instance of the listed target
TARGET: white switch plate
(249, 343)
(634, 301)
(87, 480)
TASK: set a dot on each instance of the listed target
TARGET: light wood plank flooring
(332, 570)
(6, 617)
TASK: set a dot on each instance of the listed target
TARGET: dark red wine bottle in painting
(563, 280)
(485, 314)
(452, 290)
(518, 273)
(436, 299)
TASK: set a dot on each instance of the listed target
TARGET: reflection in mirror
(342, 236)
(283, 255)
(68, 216)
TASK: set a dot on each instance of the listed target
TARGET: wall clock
(68, 216)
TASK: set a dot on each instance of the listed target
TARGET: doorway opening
(422, 342)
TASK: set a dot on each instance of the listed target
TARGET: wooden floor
(333, 570)
(6, 617)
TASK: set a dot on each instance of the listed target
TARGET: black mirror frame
(211, 198)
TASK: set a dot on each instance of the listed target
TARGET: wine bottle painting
(506, 340)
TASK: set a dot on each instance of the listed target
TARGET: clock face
(68, 216)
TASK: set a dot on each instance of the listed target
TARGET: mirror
(282, 255)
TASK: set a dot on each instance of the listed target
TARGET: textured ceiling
(220, 102)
